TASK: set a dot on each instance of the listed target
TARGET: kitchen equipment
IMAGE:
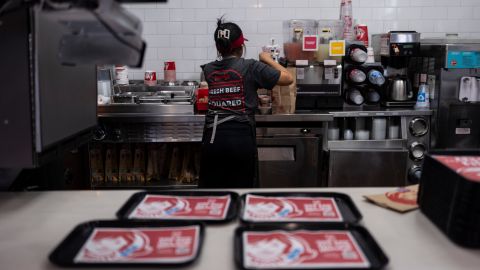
(380, 160)
(456, 124)
(395, 50)
(399, 88)
(50, 108)
(319, 86)
(294, 32)
(357, 54)
(163, 99)
(289, 156)
(328, 30)
(273, 49)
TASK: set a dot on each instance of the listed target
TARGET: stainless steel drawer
(288, 161)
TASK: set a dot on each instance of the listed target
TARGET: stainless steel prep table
(33, 223)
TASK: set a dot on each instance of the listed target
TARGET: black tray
(346, 206)
(372, 251)
(65, 252)
(136, 198)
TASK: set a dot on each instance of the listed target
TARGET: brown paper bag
(402, 200)
(284, 97)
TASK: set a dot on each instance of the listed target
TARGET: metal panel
(367, 168)
(16, 142)
(303, 171)
(66, 95)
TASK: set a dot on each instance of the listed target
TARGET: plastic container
(328, 30)
(293, 33)
(201, 101)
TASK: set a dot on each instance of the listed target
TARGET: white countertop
(32, 224)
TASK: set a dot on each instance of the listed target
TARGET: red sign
(466, 166)
(262, 208)
(310, 43)
(140, 245)
(302, 249)
(182, 207)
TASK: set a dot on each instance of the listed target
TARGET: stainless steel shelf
(367, 144)
(381, 112)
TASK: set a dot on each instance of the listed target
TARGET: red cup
(169, 71)
(361, 33)
(150, 78)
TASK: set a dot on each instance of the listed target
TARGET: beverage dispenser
(452, 68)
(295, 32)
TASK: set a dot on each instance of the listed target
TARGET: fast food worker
(229, 152)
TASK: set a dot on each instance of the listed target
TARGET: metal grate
(163, 132)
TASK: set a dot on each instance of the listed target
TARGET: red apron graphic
(226, 91)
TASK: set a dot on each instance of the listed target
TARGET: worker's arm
(285, 76)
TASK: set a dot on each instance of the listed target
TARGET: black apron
(229, 155)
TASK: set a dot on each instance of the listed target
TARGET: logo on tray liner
(274, 209)
(167, 207)
(281, 249)
(115, 247)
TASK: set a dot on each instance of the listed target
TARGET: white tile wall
(182, 30)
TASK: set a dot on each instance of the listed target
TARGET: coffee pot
(399, 89)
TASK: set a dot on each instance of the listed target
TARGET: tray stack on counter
(277, 231)
(449, 194)
(304, 231)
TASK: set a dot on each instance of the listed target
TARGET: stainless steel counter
(33, 223)
(352, 112)
(144, 113)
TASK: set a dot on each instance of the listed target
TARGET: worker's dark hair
(224, 43)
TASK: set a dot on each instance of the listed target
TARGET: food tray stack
(449, 194)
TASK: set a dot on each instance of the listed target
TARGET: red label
(260, 208)
(150, 76)
(182, 207)
(140, 245)
(361, 33)
(404, 196)
(302, 249)
(310, 43)
(226, 91)
(466, 166)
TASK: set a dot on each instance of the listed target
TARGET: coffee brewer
(394, 50)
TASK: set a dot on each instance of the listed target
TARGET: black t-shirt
(233, 84)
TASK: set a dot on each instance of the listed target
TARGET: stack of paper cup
(379, 128)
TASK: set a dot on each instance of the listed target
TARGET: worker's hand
(265, 57)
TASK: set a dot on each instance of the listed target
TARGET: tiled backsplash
(182, 30)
